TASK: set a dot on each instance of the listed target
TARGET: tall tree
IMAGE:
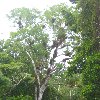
(33, 40)
(86, 59)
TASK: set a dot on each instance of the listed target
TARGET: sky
(7, 5)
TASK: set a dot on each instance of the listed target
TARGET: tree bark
(41, 93)
(36, 93)
(40, 90)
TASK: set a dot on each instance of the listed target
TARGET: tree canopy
(52, 55)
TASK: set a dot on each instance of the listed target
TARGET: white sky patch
(7, 5)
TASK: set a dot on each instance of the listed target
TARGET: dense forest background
(53, 55)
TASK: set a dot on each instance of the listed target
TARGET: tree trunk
(36, 93)
(39, 92)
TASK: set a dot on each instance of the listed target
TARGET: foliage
(86, 58)
(52, 94)
(30, 43)
(21, 97)
(28, 59)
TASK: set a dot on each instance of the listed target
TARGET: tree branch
(35, 70)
